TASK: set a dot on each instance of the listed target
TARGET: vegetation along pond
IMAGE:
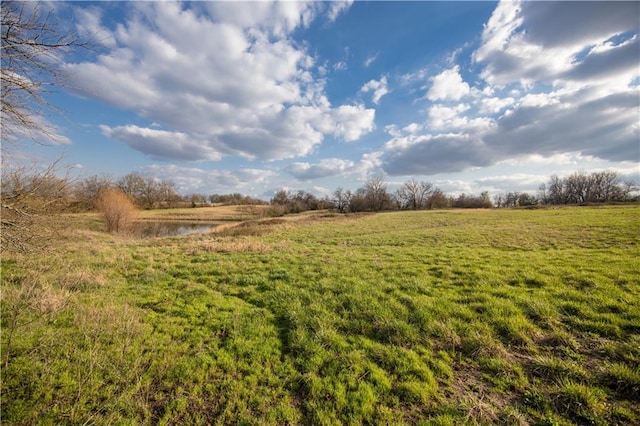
(169, 229)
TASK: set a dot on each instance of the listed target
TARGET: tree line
(578, 188)
(374, 196)
(147, 193)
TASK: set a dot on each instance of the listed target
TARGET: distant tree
(556, 194)
(167, 194)
(606, 186)
(414, 195)
(297, 202)
(577, 188)
(281, 197)
(197, 200)
(234, 199)
(511, 199)
(486, 200)
(376, 196)
(341, 199)
(326, 204)
(526, 199)
(358, 201)
(303, 201)
(580, 188)
(483, 201)
(460, 201)
(131, 184)
(543, 197)
(87, 191)
(438, 199)
(149, 192)
(629, 188)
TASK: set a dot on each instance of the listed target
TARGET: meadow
(507, 316)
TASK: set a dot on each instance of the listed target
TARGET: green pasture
(428, 317)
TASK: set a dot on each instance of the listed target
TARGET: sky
(254, 97)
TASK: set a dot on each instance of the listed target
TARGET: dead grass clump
(253, 228)
(32, 296)
(232, 246)
(82, 279)
(52, 300)
(27, 300)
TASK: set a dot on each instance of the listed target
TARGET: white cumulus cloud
(448, 86)
(378, 87)
(221, 79)
(555, 78)
(324, 168)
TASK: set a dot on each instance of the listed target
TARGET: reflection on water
(169, 229)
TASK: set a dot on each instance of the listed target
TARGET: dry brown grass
(235, 245)
(251, 228)
(206, 214)
(118, 210)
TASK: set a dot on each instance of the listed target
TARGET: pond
(170, 229)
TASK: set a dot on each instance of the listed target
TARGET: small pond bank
(154, 229)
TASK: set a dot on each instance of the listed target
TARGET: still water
(169, 229)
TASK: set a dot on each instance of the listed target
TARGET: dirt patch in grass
(474, 397)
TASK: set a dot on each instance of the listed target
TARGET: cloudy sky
(252, 97)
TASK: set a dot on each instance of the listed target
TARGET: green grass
(443, 317)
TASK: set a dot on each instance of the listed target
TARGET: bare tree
(376, 195)
(607, 186)
(414, 195)
(149, 192)
(358, 201)
(578, 188)
(33, 45)
(87, 191)
(556, 192)
(438, 199)
(29, 199)
(341, 199)
(167, 194)
(281, 197)
(542, 194)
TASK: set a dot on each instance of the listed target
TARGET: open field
(430, 317)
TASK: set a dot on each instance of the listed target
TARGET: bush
(118, 210)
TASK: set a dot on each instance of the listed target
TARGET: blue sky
(253, 97)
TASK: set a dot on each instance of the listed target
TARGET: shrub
(118, 210)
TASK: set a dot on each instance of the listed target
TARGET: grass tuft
(580, 402)
(624, 379)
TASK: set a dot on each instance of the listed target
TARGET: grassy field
(433, 317)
